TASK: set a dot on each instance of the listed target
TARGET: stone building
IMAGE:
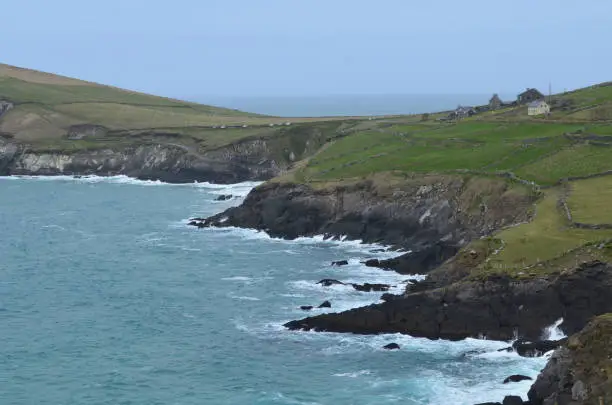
(529, 96)
(538, 108)
(495, 102)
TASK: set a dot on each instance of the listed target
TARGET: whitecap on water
(243, 298)
(237, 278)
(354, 374)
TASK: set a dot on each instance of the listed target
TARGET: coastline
(321, 238)
(514, 309)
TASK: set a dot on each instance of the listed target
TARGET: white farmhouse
(538, 107)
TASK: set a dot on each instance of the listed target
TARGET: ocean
(108, 297)
(348, 105)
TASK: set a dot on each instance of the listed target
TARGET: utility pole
(549, 92)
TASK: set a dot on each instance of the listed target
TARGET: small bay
(107, 297)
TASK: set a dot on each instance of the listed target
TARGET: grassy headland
(553, 156)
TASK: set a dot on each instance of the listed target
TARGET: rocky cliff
(580, 372)
(248, 159)
(498, 307)
(431, 215)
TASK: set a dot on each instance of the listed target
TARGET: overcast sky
(192, 48)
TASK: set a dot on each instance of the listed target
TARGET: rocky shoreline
(435, 216)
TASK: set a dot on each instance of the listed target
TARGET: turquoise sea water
(107, 297)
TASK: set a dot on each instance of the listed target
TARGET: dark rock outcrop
(387, 297)
(535, 349)
(340, 263)
(224, 197)
(367, 287)
(418, 262)
(325, 304)
(306, 307)
(512, 400)
(496, 307)
(391, 346)
(516, 378)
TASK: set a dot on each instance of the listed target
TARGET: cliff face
(424, 213)
(579, 373)
(251, 159)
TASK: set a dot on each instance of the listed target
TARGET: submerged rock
(391, 346)
(535, 349)
(340, 263)
(224, 197)
(516, 378)
(306, 307)
(325, 304)
(326, 282)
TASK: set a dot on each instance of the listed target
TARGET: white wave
(293, 295)
(354, 374)
(317, 240)
(243, 298)
(279, 397)
(122, 179)
(237, 278)
(553, 332)
(53, 226)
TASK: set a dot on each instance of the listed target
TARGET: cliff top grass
(551, 243)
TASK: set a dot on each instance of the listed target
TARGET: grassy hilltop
(48, 107)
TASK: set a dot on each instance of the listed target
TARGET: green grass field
(537, 152)
(590, 200)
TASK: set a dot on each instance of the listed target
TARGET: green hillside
(47, 108)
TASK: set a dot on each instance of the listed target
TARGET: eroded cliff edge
(432, 215)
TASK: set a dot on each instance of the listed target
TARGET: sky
(209, 48)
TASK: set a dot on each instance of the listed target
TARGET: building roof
(530, 91)
(536, 103)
